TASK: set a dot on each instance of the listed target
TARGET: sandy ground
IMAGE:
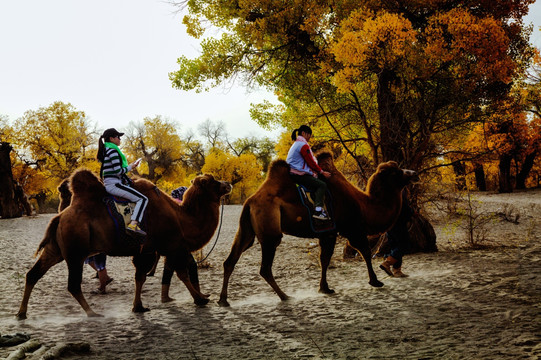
(457, 303)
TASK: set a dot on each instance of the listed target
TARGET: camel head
(325, 161)
(390, 176)
(64, 193)
(206, 184)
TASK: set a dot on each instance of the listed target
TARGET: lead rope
(217, 234)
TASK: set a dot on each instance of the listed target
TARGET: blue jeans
(98, 260)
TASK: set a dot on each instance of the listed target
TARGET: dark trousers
(398, 240)
(319, 187)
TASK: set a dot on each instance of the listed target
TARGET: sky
(112, 59)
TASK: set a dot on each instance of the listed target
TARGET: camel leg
(142, 263)
(193, 274)
(327, 244)
(243, 241)
(180, 263)
(268, 249)
(198, 298)
(153, 269)
(361, 245)
(75, 277)
(49, 257)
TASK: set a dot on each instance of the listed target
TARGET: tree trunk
(460, 173)
(9, 208)
(504, 166)
(40, 199)
(525, 170)
(22, 199)
(480, 179)
(393, 132)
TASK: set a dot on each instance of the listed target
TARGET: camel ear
(382, 167)
(387, 165)
(201, 180)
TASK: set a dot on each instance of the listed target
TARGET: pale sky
(111, 59)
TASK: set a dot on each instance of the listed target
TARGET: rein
(217, 234)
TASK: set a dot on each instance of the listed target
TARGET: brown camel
(276, 208)
(84, 228)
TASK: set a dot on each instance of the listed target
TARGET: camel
(84, 229)
(275, 209)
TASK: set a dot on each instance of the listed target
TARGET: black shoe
(320, 215)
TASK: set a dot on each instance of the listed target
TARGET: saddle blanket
(120, 211)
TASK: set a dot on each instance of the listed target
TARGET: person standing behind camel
(398, 241)
(114, 167)
(98, 263)
(168, 273)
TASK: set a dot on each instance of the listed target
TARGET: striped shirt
(112, 166)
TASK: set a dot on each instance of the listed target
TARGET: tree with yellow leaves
(395, 75)
(57, 138)
(156, 140)
(242, 171)
(50, 143)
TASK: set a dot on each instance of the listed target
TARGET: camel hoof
(206, 296)
(376, 283)
(326, 291)
(167, 299)
(201, 302)
(286, 298)
(223, 303)
(93, 314)
(21, 316)
(140, 309)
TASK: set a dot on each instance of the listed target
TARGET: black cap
(110, 133)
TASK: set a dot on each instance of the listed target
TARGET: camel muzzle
(412, 176)
(226, 187)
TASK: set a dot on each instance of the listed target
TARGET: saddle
(317, 225)
(120, 210)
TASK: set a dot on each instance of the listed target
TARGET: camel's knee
(229, 263)
(33, 275)
(144, 263)
(266, 272)
(74, 288)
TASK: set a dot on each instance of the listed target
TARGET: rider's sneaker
(135, 229)
(320, 215)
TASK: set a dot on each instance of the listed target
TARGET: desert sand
(458, 303)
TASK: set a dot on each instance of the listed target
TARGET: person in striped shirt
(114, 167)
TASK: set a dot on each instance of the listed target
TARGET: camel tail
(50, 234)
(246, 231)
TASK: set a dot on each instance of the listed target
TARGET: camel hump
(278, 169)
(84, 181)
